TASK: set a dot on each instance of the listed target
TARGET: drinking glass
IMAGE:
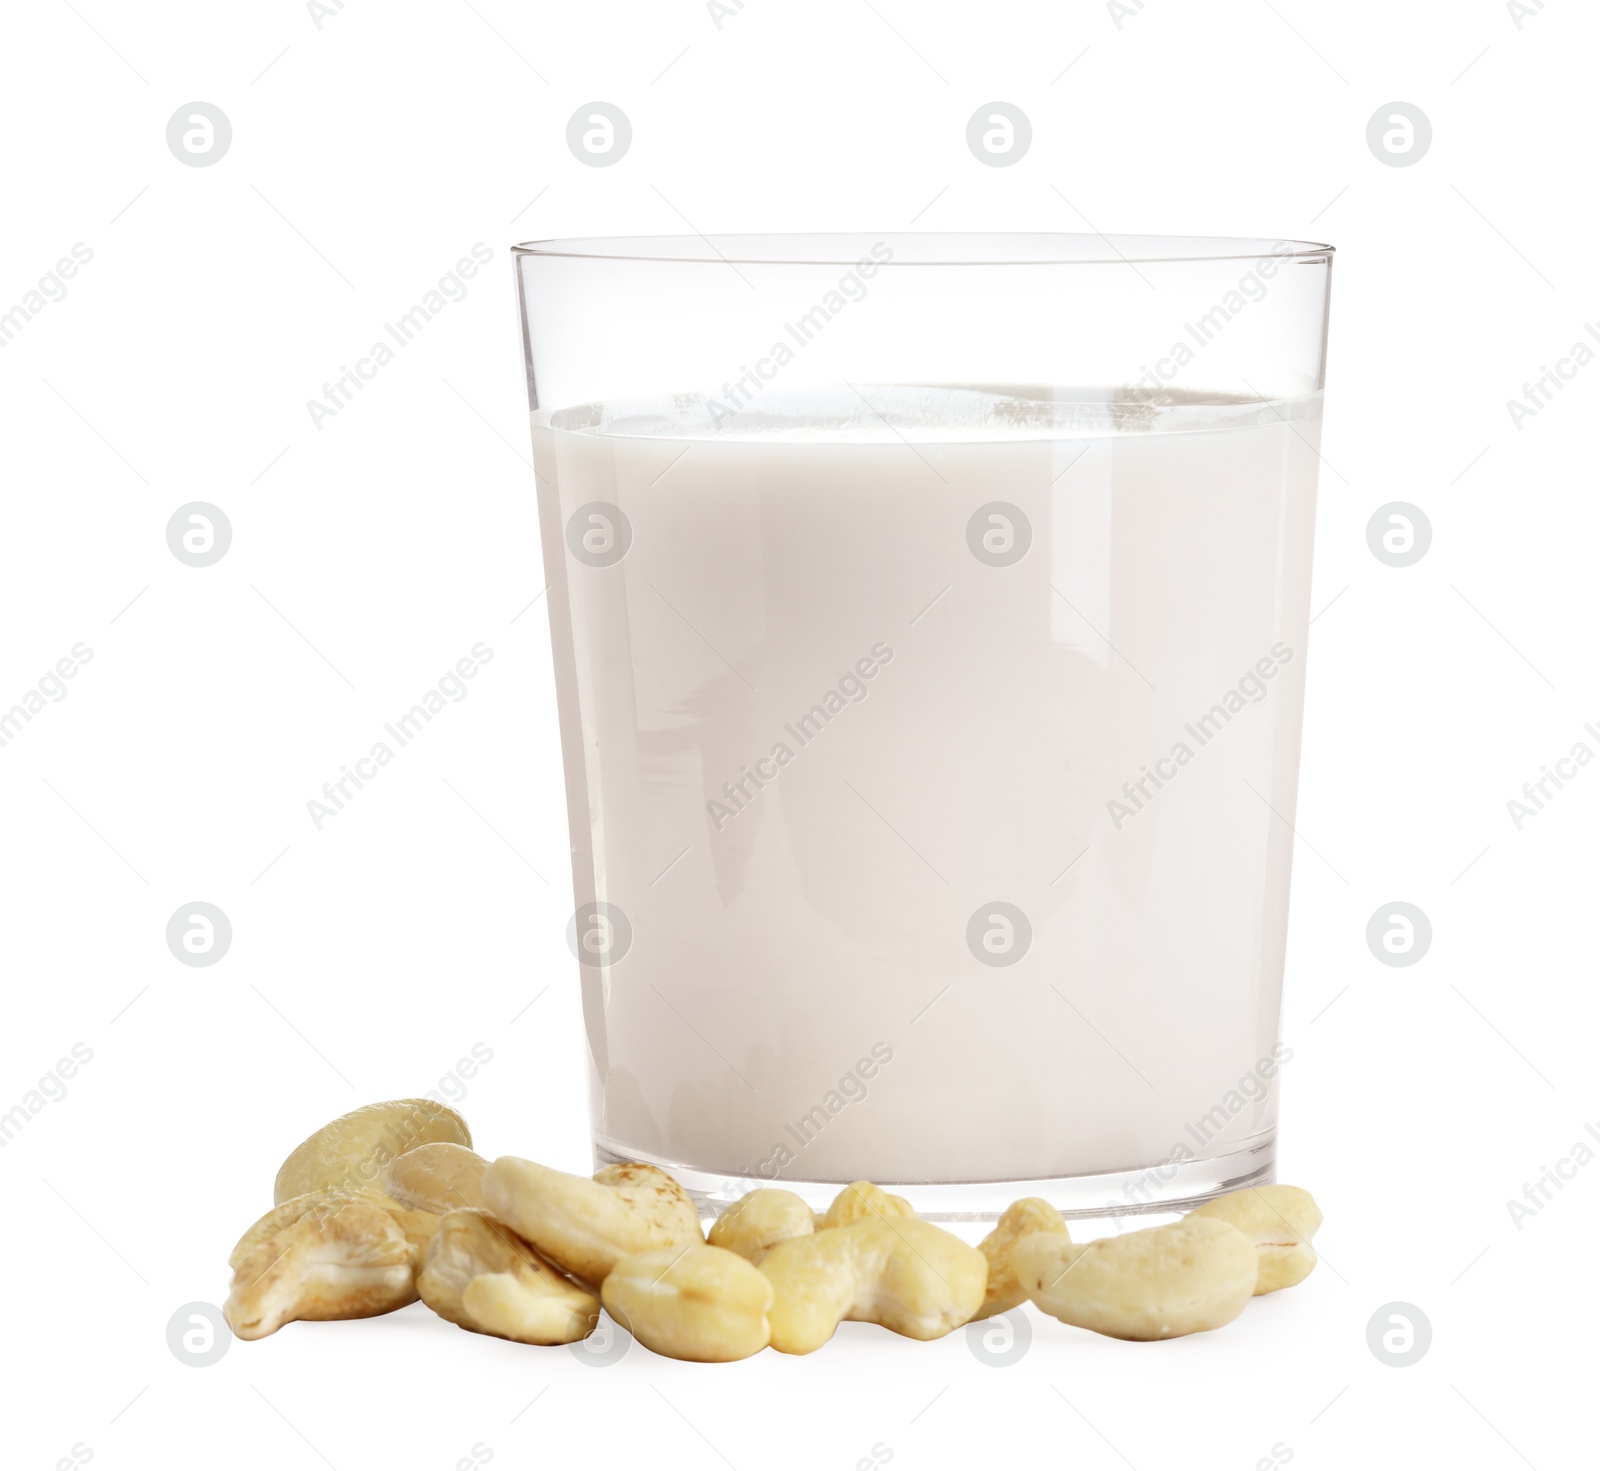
(929, 617)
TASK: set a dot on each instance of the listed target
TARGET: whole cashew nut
(1021, 1218)
(354, 1151)
(1280, 1220)
(329, 1254)
(691, 1302)
(587, 1226)
(757, 1222)
(479, 1275)
(902, 1273)
(1162, 1282)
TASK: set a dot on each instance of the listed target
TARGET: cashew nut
(863, 1199)
(480, 1276)
(757, 1222)
(902, 1273)
(329, 1254)
(416, 1226)
(1021, 1218)
(587, 1226)
(1280, 1220)
(437, 1178)
(353, 1152)
(691, 1302)
(1158, 1283)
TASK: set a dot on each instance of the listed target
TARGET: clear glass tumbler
(929, 616)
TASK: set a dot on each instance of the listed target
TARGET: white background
(368, 156)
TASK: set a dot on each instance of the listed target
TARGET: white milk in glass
(937, 748)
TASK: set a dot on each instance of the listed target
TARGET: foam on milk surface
(787, 926)
(874, 413)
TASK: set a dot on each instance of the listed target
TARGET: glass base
(1158, 1189)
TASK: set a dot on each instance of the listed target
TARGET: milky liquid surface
(828, 760)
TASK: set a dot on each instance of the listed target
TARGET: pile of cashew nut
(390, 1203)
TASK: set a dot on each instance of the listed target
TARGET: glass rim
(926, 248)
